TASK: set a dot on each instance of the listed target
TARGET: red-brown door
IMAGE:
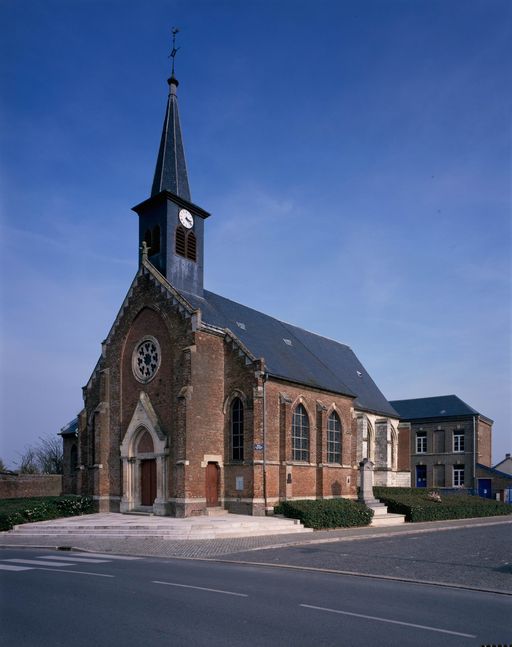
(147, 481)
(212, 485)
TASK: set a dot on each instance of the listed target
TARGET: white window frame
(458, 441)
(458, 475)
(421, 442)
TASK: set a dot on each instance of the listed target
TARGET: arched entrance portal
(144, 454)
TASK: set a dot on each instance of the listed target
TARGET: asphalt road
(476, 557)
(81, 599)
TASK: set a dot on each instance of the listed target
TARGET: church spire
(171, 168)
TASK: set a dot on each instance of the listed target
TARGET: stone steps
(381, 516)
(124, 526)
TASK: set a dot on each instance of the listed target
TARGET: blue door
(484, 488)
(421, 476)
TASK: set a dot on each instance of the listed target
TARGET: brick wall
(484, 442)
(28, 485)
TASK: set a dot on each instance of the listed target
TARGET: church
(198, 403)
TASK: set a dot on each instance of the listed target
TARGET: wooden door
(147, 481)
(212, 485)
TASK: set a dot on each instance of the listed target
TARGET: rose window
(146, 359)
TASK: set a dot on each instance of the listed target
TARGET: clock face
(186, 218)
(146, 359)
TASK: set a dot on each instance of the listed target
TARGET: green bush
(416, 506)
(17, 511)
(326, 513)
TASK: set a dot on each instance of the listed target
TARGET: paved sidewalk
(212, 548)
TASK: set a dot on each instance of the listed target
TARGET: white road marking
(34, 562)
(81, 560)
(55, 570)
(395, 622)
(11, 567)
(202, 588)
(101, 555)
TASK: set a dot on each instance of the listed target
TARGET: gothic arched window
(333, 438)
(300, 434)
(237, 430)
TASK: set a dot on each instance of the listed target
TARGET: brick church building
(197, 401)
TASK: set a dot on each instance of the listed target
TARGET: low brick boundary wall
(27, 485)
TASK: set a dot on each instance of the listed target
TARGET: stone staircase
(113, 525)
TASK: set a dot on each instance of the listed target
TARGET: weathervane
(175, 49)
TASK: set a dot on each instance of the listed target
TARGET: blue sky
(356, 158)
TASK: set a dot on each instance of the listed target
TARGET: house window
(458, 441)
(333, 439)
(458, 475)
(300, 434)
(237, 430)
(421, 442)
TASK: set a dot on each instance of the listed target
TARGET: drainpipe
(475, 488)
(265, 378)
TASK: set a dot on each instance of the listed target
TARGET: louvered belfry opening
(156, 241)
(191, 251)
(186, 244)
(180, 241)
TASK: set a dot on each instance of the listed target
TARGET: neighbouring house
(505, 465)
(493, 483)
(448, 438)
(198, 401)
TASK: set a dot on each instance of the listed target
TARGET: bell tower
(169, 223)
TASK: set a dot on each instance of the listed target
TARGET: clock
(186, 218)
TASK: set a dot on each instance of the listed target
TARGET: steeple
(171, 168)
(171, 227)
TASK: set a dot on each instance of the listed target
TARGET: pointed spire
(171, 168)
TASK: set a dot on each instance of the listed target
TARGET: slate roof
(441, 406)
(294, 354)
(493, 470)
(70, 429)
(171, 168)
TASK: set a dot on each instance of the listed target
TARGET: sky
(355, 157)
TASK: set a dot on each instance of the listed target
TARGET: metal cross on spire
(175, 49)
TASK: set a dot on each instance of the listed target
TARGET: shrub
(326, 513)
(17, 511)
(417, 504)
